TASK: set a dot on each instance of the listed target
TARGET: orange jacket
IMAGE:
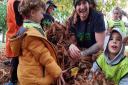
(11, 25)
(36, 53)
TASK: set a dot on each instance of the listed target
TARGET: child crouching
(112, 62)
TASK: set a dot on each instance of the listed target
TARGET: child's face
(37, 15)
(116, 14)
(50, 9)
(114, 44)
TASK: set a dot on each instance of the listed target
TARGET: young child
(37, 61)
(116, 22)
(48, 18)
(112, 62)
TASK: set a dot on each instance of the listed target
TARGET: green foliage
(3, 26)
(3, 16)
(64, 9)
(110, 4)
(61, 14)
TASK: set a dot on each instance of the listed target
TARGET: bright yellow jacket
(113, 72)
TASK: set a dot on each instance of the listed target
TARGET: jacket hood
(120, 55)
(16, 40)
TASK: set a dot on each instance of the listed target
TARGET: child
(48, 18)
(116, 22)
(37, 61)
(112, 62)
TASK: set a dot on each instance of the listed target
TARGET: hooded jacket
(38, 61)
(115, 69)
(14, 21)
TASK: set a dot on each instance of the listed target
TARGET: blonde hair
(26, 6)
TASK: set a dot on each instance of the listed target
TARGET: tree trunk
(3, 36)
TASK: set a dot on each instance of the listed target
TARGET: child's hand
(61, 80)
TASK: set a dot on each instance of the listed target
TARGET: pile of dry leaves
(77, 71)
(4, 69)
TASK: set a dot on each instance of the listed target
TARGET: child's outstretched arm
(95, 67)
(124, 81)
(43, 55)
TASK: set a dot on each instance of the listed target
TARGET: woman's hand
(74, 51)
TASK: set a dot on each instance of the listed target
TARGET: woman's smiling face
(82, 9)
